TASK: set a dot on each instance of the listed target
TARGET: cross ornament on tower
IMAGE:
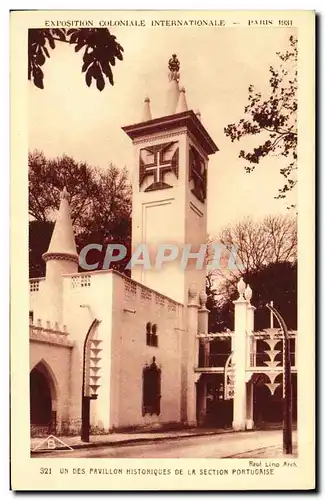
(159, 166)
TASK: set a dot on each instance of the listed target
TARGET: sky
(217, 65)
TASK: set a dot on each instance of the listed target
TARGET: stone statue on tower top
(173, 66)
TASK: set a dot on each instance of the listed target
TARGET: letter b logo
(51, 444)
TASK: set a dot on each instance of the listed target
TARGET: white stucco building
(139, 348)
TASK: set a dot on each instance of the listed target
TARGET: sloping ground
(268, 452)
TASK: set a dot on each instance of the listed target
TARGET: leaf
(51, 40)
(40, 58)
(100, 81)
(38, 78)
(74, 37)
(101, 52)
(85, 65)
(60, 33)
(46, 51)
(72, 30)
(79, 46)
(110, 76)
(89, 76)
(105, 67)
(39, 83)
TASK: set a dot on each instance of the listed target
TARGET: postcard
(162, 243)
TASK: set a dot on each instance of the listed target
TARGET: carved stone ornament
(173, 66)
(203, 298)
(241, 287)
(192, 292)
(248, 293)
(159, 166)
(60, 256)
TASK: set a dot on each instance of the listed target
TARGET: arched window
(154, 336)
(148, 332)
(151, 334)
(151, 390)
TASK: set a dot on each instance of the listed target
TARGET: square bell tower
(171, 155)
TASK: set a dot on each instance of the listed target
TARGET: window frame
(151, 334)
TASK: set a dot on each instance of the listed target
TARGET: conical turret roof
(182, 104)
(146, 113)
(62, 244)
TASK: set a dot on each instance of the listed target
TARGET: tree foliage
(260, 242)
(100, 52)
(40, 233)
(100, 202)
(275, 281)
(266, 258)
(274, 118)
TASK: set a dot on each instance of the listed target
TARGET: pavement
(177, 444)
(275, 451)
(39, 444)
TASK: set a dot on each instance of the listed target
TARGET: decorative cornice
(186, 119)
(60, 256)
(39, 334)
(197, 145)
(194, 142)
(133, 287)
(159, 137)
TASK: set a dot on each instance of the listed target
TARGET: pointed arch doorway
(43, 399)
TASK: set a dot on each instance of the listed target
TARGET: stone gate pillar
(239, 359)
(190, 355)
(203, 318)
(250, 347)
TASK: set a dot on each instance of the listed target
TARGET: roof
(63, 241)
(186, 119)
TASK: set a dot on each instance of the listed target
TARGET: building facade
(139, 348)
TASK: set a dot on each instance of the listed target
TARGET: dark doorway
(268, 408)
(151, 389)
(40, 399)
(219, 412)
